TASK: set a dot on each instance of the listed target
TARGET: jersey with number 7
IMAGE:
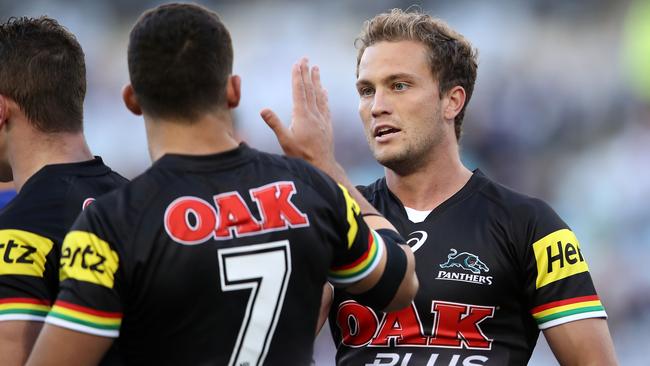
(216, 259)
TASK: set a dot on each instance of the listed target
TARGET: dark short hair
(42, 69)
(452, 59)
(180, 58)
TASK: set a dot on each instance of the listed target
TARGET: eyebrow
(388, 79)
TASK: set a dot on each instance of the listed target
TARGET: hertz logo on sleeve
(23, 253)
(86, 257)
(558, 256)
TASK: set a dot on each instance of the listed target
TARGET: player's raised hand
(310, 134)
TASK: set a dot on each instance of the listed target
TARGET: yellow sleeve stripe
(352, 210)
(360, 268)
(11, 307)
(560, 311)
(86, 316)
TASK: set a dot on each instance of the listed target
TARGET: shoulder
(374, 189)
(301, 171)
(131, 195)
(37, 208)
(513, 202)
(296, 166)
(529, 218)
(119, 210)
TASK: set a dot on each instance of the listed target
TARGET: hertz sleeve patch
(352, 209)
(86, 257)
(23, 253)
(558, 256)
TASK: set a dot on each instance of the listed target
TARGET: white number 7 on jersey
(265, 270)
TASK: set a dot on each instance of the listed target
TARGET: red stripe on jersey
(555, 304)
(83, 309)
(24, 300)
(361, 259)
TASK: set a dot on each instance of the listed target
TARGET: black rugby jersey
(213, 260)
(494, 267)
(32, 228)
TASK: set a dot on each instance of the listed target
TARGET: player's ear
(233, 91)
(4, 110)
(453, 102)
(130, 100)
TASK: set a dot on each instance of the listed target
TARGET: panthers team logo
(466, 261)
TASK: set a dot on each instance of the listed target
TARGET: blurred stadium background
(561, 110)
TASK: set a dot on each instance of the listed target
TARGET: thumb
(274, 122)
(282, 133)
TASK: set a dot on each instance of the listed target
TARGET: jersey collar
(212, 162)
(475, 182)
(90, 167)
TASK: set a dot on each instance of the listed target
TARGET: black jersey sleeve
(360, 248)
(90, 275)
(558, 284)
(27, 275)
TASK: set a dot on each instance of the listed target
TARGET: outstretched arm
(310, 137)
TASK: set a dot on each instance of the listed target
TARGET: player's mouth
(383, 133)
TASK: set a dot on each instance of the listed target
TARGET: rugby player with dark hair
(44, 152)
(495, 266)
(218, 254)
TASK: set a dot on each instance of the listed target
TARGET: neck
(33, 150)
(433, 183)
(211, 133)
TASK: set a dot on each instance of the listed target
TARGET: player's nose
(380, 104)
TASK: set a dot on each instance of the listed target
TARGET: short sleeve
(27, 275)
(360, 248)
(558, 284)
(89, 300)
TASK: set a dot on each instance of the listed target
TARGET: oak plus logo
(445, 325)
(467, 262)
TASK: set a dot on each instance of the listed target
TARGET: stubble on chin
(402, 162)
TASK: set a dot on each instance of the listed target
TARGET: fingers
(320, 92)
(310, 96)
(297, 88)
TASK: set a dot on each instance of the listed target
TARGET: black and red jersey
(494, 268)
(32, 228)
(218, 259)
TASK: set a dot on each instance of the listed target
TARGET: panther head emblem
(466, 261)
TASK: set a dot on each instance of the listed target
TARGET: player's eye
(400, 86)
(366, 91)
